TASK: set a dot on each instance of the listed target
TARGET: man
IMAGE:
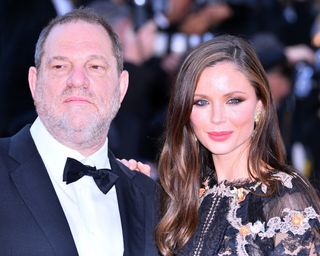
(77, 85)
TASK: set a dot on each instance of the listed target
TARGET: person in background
(62, 192)
(19, 33)
(147, 91)
(227, 188)
(292, 75)
(21, 23)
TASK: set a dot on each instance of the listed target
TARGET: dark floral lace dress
(235, 220)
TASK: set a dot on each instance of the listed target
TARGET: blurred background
(155, 36)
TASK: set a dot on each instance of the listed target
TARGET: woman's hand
(137, 166)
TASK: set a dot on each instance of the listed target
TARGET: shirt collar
(54, 154)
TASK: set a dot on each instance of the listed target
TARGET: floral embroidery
(244, 230)
(239, 194)
(204, 188)
(264, 188)
(252, 229)
(296, 222)
(236, 222)
(218, 190)
(243, 233)
(297, 219)
(285, 178)
(257, 227)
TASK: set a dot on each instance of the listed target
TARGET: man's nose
(78, 78)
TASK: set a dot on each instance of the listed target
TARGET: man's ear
(32, 79)
(124, 82)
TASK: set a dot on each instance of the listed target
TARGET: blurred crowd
(155, 36)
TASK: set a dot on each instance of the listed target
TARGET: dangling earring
(256, 121)
(194, 138)
(257, 118)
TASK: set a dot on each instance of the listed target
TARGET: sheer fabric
(240, 219)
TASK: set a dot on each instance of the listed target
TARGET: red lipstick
(220, 136)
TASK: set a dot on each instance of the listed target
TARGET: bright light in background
(194, 40)
(179, 43)
(140, 2)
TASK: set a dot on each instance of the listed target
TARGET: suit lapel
(35, 187)
(131, 210)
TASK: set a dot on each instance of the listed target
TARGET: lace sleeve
(297, 233)
(293, 221)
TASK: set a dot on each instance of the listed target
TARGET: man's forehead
(85, 25)
(69, 38)
(76, 33)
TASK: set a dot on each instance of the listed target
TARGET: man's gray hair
(81, 14)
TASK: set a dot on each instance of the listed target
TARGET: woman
(226, 187)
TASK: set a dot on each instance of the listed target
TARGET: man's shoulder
(17, 144)
(140, 181)
(4, 150)
(144, 182)
(4, 144)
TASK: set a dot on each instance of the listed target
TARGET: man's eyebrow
(50, 60)
(100, 57)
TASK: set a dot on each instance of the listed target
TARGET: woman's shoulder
(294, 201)
(292, 191)
(292, 215)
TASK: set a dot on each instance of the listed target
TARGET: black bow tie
(75, 170)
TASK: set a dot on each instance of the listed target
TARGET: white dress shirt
(93, 217)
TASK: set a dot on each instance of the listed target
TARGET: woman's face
(225, 104)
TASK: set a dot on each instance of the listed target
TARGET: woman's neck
(231, 167)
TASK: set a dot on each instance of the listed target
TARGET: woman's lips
(220, 136)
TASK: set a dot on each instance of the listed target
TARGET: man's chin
(79, 125)
(81, 133)
(80, 121)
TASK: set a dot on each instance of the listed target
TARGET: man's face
(77, 89)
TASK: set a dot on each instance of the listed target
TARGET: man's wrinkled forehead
(76, 33)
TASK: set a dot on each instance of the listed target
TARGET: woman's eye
(200, 102)
(234, 101)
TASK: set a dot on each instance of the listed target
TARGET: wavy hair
(184, 162)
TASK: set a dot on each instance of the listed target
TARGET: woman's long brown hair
(183, 161)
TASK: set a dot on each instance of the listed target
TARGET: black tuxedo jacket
(32, 221)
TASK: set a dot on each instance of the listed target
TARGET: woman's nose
(217, 113)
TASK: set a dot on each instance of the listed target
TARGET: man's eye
(97, 67)
(200, 102)
(58, 66)
(234, 101)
